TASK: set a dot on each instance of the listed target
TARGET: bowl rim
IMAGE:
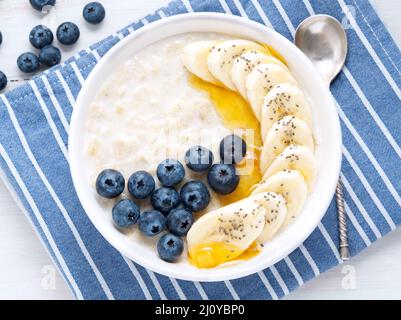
(74, 136)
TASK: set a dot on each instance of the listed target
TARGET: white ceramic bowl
(326, 129)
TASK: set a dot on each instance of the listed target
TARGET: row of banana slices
(287, 159)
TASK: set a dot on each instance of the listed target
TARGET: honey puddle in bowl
(274, 53)
(238, 116)
(213, 254)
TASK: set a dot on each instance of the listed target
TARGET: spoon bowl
(323, 40)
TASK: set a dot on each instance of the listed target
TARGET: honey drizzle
(213, 254)
(238, 116)
(274, 53)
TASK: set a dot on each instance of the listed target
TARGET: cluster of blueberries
(42, 37)
(193, 195)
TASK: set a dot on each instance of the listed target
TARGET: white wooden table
(26, 270)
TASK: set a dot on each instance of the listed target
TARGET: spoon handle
(342, 222)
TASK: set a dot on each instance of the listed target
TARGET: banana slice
(222, 235)
(283, 100)
(295, 157)
(222, 56)
(287, 131)
(276, 211)
(244, 64)
(194, 57)
(291, 185)
(261, 80)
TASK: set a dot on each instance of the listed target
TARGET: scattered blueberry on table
(125, 213)
(170, 247)
(141, 184)
(179, 221)
(40, 4)
(50, 56)
(28, 62)
(68, 33)
(195, 196)
(170, 172)
(199, 158)
(165, 199)
(3, 81)
(223, 178)
(110, 183)
(152, 223)
(94, 12)
(41, 36)
(232, 149)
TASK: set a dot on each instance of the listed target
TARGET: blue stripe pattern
(33, 156)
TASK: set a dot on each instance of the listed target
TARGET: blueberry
(50, 56)
(170, 247)
(195, 196)
(152, 223)
(165, 199)
(3, 81)
(110, 183)
(28, 62)
(179, 221)
(94, 12)
(232, 149)
(223, 178)
(68, 33)
(199, 158)
(125, 213)
(41, 37)
(40, 4)
(141, 184)
(170, 172)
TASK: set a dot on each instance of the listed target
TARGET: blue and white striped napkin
(34, 124)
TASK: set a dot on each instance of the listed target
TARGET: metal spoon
(323, 40)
